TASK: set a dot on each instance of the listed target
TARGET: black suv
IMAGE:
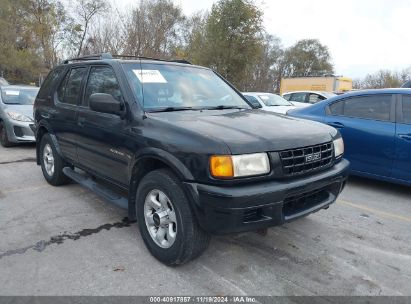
(182, 150)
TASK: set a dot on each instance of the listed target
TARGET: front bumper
(19, 131)
(251, 207)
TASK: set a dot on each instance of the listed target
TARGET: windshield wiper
(172, 109)
(222, 107)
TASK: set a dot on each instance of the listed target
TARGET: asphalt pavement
(67, 241)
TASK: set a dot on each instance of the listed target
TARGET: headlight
(230, 166)
(19, 117)
(338, 147)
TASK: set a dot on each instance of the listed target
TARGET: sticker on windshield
(12, 93)
(150, 76)
(264, 97)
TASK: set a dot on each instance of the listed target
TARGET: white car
(307, 97)
(270, 102)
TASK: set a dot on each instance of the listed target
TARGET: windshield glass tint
(271, 100)
(161, 86)
(18, 96)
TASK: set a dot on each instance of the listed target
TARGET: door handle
(406, 137)
(336, 124)
(81, 121)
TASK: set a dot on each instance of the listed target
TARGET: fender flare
(168, 159)
(45, 125)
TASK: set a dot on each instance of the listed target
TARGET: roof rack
(90, 57)
(151, 58)
(103, 56)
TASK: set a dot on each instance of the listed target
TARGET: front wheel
(51, 163)
(4, 139)
(166, 221)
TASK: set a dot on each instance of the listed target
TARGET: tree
(266, 70)
(230, 41)
(49, 23)
(153, 29)
(383, 79)
(308, 57)
(86, 10)
(20, 61)
(107, 36)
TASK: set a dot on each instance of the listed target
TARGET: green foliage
(308, 57)
(230, 40)
(37, 34)
(30, 32)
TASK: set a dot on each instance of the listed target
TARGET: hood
(26, 110)
(279, 109)
(300, 104)
(250, 131)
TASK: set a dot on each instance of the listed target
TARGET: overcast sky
(363, 35)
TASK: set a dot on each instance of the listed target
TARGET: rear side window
(102, 79)
(298, 97)
(50, 80)
(377, 107)
(70, 88)
(406, 109)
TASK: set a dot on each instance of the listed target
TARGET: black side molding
(97, 188)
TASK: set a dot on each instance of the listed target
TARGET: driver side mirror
(105, 103)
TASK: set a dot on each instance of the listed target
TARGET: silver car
(16, 114)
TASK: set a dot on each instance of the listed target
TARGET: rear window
(337, 108)
(18, 96)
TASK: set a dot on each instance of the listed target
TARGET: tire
(48, 155)
(4, 140)
(184, 239)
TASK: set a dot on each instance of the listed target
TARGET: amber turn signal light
(221, 166)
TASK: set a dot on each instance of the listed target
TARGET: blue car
(376, 128)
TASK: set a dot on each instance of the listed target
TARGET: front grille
(299, 203)
(305, 160)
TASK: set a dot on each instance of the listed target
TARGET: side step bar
(97, 188)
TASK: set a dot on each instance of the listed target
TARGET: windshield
(174, 87)
(18, 96)
(3, 81)
(272, 100)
